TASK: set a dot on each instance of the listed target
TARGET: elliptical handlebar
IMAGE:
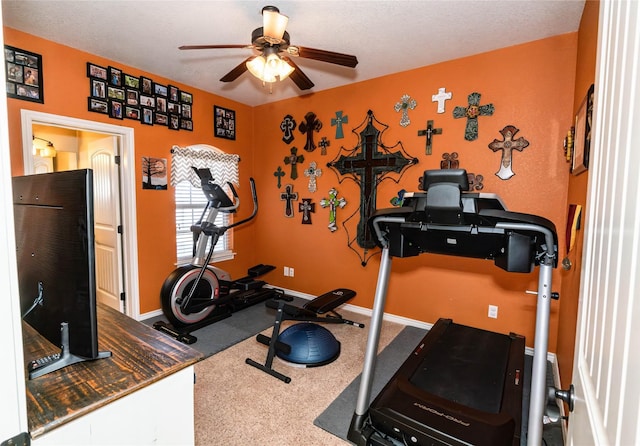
(254, 197)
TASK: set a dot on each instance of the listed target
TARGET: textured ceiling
(386, 36)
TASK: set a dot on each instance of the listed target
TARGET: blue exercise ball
(311, 345)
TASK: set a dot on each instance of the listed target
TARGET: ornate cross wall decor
(440, 98)
(310, 124)
(337, 122)
(369, 163)
(294, 159)
(406, 103)
(324, 143)
(279, 174)
(288, 125)
(333, 203)
(429, 132)
(288, 196)
(312, 172)
(471, 112)
(306, 207)
(507, 145)
(450, 161)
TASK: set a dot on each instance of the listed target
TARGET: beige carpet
(236, 404)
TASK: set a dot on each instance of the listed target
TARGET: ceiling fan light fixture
(274, 24)
(270, 68)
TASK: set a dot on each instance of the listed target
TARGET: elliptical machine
(198, 294)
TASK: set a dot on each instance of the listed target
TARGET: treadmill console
(447, 220)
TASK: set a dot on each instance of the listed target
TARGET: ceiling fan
(273, 44)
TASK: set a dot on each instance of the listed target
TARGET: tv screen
(56, 263)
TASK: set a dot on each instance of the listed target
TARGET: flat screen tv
(56, 264)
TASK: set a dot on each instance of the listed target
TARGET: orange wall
(65, 93)
(577, 194)
(531, 86)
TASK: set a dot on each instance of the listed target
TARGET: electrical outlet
(291, 272)
(286, 271)
(493, 311)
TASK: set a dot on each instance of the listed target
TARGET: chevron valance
(223, 166)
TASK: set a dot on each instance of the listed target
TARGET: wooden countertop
(140, 356)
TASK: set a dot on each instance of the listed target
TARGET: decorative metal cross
(429, 132)
(288, 125)
(440, 98)
(294, 159)
(471, 112)
(406, 103)
(306, 207)
(312, 172)
(507, 146)
(333, 203)
(310, 124)
(288, 196)
(449, 161)
(367, 168)
(324, 143)
(279, 174)
(337, 122)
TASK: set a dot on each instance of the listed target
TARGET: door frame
(127, 188)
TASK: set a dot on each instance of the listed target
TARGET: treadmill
(460, 385)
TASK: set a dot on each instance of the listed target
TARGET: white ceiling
(386, 36)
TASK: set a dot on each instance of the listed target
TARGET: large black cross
(368, 165)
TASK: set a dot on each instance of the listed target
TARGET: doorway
(97, 146)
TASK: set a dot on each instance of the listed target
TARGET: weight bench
(318, 310)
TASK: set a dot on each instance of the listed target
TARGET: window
(190, 203)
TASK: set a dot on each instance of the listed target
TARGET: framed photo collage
(122, 96)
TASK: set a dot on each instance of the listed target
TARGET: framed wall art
(224, 122)
(582, 137)
(24, 74)
(121, 95)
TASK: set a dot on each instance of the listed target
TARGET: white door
(101, 154)
(607, 356)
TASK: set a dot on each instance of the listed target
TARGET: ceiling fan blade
(237, 71)
(211, 47)
(324, 56)
(298, 76)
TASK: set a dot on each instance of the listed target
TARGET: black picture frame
(582, 136)
(146, 85)
(23, 70)
(224, 123)
(132, 112)
(96, 71)
(132, 82)
(159, 89)
(115, 77)
(116, 109)
(186, 98)
(174, 122)
(186, 124)
(146, 116)
(98, 106)
(98, 88)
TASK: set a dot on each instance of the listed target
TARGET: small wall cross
(333, 203)
(406, 103)
(429, 132)
(288, 196)
(306, 207)
(440, 98)
(337, 122)
(288, 125)
(310, 124)
(312, 172)
(279, 174)
(324, 143)
(507, 146)
(471, 112)
(294, 159)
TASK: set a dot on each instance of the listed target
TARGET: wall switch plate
(493, 311)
